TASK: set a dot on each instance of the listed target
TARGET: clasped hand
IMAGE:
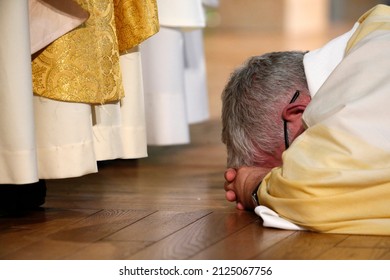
(240, 183)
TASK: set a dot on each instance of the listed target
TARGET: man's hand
(240, 184)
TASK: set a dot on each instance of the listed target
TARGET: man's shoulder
(374, 20)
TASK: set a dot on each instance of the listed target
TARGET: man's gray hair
(251, 102)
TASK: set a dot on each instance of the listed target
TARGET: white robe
(175, 73)
(45, 139)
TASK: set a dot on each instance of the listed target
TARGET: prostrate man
(335, 177)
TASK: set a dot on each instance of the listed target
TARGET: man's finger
(230, 174)
(239, 206)
(230, 196)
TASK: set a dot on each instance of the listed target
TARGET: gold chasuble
(83, 65)
(135, 22)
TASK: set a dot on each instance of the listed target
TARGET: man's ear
(294, 111)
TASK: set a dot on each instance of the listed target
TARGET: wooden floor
(171, 205)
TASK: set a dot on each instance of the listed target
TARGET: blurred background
(290, 16)
(237, 29)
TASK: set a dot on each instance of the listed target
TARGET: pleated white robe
(42, 138)
(175, 73)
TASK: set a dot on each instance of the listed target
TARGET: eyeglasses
(286, 142)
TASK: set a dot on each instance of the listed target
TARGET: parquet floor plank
(157, 226)
(197, 236)
(345, 253)
(302, 246)
(18, 232)
(75, 236)
(244, 244)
